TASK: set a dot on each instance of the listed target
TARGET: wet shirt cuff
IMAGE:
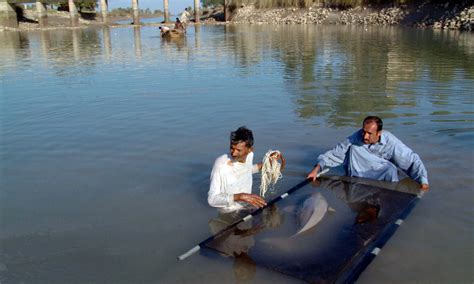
(424, 180)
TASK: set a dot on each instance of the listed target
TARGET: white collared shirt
(229, 178)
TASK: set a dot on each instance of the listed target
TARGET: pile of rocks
(388, 16)
(250, 15)
(426, 15)
(456, 21)
(312, 15)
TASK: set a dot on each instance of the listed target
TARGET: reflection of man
(231, 178)
(374, 153)
(244, 268)
(361, 198)
(238, 241)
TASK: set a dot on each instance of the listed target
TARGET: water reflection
(240, 240)
(76, 41)
(107, 42)
(247, 44)
(179, 42)
(335, 73)
(197, 36)
(14, 45)
(45, 40)
(343, 73)
(67, 49)
(138, 41)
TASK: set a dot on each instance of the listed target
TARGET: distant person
(164, 30)
(179, 26)
(231, 177)
(184, 18)
(375, 154)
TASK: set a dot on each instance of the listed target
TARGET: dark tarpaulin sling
(349, 223)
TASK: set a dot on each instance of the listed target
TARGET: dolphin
(312, 212)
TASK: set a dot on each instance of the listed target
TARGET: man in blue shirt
(374, 153)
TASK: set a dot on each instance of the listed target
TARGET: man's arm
(217, 197)
(410, 162)
(314, 173)
(333, 157)
(283, 161)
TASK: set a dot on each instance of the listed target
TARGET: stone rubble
(251, 15)
(461, 21)
(451, 19)
(389, 16)
(281, 16)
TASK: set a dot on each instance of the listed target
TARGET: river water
(108, 137)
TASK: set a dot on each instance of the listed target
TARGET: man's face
(368, 214)
(239, 151)
(370, 133)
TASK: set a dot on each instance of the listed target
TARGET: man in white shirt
(184, 18)
(164, 30)
(231, 177)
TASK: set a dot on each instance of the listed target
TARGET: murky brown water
(108, 137)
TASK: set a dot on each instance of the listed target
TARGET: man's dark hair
(376, 119)
(243, 134)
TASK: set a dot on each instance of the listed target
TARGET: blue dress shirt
(375, 161)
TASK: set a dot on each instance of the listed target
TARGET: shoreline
(459, 16)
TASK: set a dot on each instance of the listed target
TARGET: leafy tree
(84, 5)
(211, 3)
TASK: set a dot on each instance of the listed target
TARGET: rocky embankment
(453, 15)
(447, 16)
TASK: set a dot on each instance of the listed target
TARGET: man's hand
(424, 187)
(279, 156)
(275, 156)
(251, 199)
(314, 173)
